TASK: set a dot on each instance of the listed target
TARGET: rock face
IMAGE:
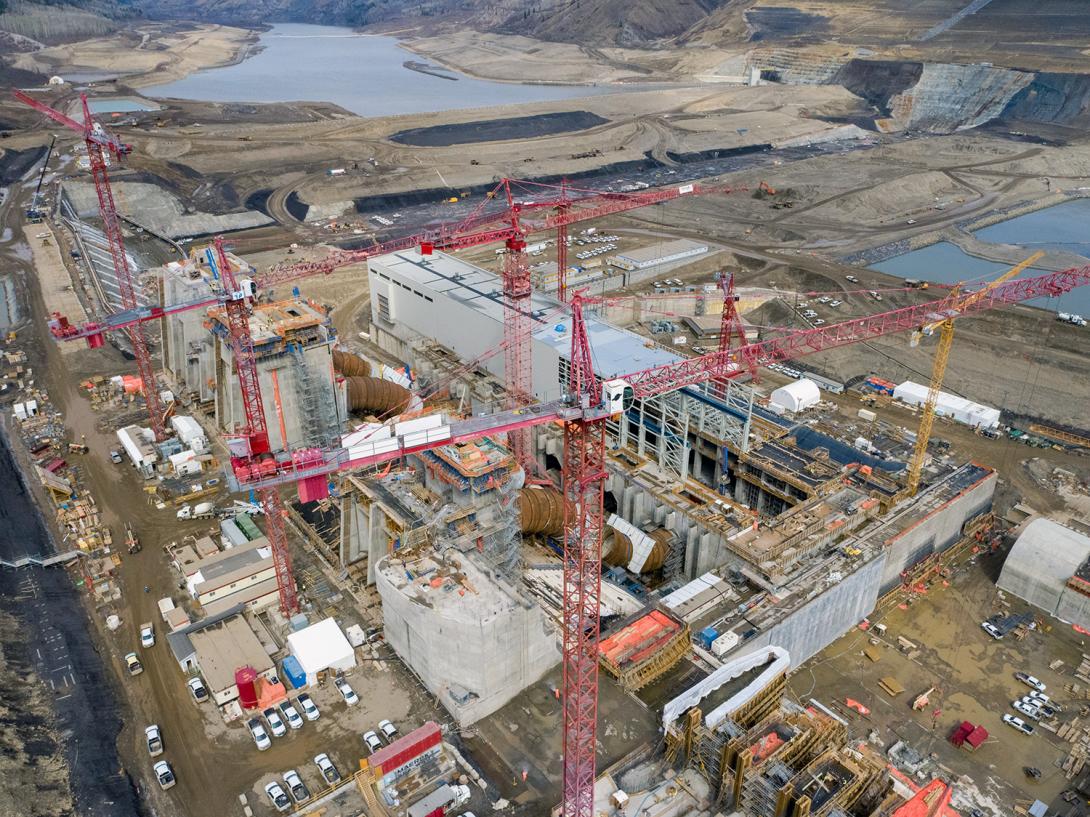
(954, 97)
(937, 97)
(1057, 99)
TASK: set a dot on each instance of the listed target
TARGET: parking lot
(973, 679)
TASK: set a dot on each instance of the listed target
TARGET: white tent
(797, 396)
(964, 411)
(320, 647)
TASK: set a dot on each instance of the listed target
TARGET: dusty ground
(34, 779)
(147, 54)
(974, 679)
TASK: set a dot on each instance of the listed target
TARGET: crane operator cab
(247, 289)
(617, 396)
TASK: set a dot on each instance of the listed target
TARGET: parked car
(132, 663)
(155, 740)
(1030, 681)
(851, 278)
(291, 715)
(164, 774)
(260, 736)
(346, 691)
(277, 797)
(147, 635)
(1018, 724)
(197, 689)
(1027, 709)
(819, 322)
(326, 767)
(835, 303)
(299, 791)
(388, 730)
(372, 740)
(275, 722)
(1040, 698)
(310, 709)
(991, 630)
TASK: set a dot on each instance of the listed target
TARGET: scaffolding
(318, 416)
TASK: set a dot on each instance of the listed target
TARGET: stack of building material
(1083, 671)
(644, 649)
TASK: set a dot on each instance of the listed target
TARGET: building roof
(179, 641)
(224, 567)
(661, 250)
(320, 646)
(226, 646)
(1041, 561)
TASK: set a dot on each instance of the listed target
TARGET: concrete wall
(187, 345)
(495, 657)
(935, 532)
(452, 324)
(279, 381)
(824, 618)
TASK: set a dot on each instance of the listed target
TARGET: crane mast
(582, 486)
(254, 442)
(98, 142)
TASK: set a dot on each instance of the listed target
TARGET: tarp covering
(320, 647)
(797, 396)
(964, 411)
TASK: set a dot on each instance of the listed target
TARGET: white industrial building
(797, 396)
(476, 650)
(139, 445)
(460, 306)
(956, 408)
(1047, 567)
(321, 647)
(657, 254)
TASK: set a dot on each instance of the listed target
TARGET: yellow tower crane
(945, 326)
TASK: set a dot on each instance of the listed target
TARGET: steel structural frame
(256, 430)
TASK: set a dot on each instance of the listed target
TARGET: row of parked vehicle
(388, 732)
(1035, 705)
(295, 785)
(275, 718)
(597, 251)
(153, 735)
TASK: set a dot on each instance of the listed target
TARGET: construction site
(654, 487)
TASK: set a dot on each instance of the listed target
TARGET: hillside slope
(57, 21)
(587, 22)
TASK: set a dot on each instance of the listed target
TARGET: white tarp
(957, 408)
(797, 396)
(321, 646)
(778, 662)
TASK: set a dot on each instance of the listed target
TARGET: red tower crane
(98, 141)
(253, 440)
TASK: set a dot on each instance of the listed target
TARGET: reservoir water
(362, 73)
(118, 105)
(1056, 228)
